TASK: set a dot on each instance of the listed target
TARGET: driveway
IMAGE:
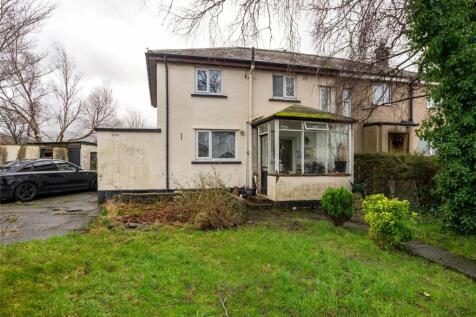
(46, 217)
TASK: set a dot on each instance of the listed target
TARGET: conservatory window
(346, 97)
(310, 148)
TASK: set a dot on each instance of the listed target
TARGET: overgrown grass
(430, 229)
(310, 269)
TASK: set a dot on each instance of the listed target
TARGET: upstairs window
(381, 94)
(283, 87)
(215, 145)
(209, 81)
(325, 98)
(346, 97)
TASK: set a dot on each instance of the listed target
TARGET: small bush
(391, 221)
(337, 203)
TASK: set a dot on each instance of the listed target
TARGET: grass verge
(430, 229)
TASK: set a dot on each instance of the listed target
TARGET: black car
(24, 180)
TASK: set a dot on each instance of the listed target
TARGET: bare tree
(65, 87)
(18, 19)
(349, 28)
(13, 126)
(99, 110)
(358, 30)
(133, 119)
(23, 91)
(21, 87)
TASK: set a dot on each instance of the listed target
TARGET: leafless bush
(209, 205)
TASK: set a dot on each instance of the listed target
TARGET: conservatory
(301, 151)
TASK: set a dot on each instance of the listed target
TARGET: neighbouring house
(284, 123)
(81, 153)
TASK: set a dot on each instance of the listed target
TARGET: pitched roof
(300, 112)
(282, 57)
(266, 59)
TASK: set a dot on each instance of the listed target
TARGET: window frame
(208, 92)
(344, 112)
(306, 128)
(210, 146)
(95, 154)
(386, 92)
(330, 106)
(284, 96)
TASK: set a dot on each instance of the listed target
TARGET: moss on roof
(303, 112)
(306, 115)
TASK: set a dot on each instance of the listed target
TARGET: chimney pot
(382, 55)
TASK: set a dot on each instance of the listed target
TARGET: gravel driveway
(46, 217)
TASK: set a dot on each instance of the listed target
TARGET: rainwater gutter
(249, 150)
(167, 176)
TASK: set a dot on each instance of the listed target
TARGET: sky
(107, 39)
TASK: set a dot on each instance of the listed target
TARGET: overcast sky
(108, 39)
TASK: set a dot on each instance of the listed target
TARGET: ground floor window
(211, 144)
(424, 148)
(398, 142)
(46, 153)
(93, 160)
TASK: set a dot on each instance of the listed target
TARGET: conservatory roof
(300, 112)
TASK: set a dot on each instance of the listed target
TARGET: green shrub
(391, 221)
(337, 203)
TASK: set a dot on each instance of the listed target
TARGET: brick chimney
(382, 55)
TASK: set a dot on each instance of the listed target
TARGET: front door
(264, 163)
(74, 155)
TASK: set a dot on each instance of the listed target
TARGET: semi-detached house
(285, 123)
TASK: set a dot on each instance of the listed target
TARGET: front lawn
(303, 268)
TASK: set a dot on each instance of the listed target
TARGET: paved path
(443, 257)
(46, 217)
(452, 261)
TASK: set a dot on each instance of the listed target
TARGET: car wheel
(93, 185)
(26, 191)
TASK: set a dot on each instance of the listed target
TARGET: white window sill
(216, 162)
(283, 99)
(204, 94)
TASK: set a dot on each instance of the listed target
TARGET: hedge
(378, 170)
